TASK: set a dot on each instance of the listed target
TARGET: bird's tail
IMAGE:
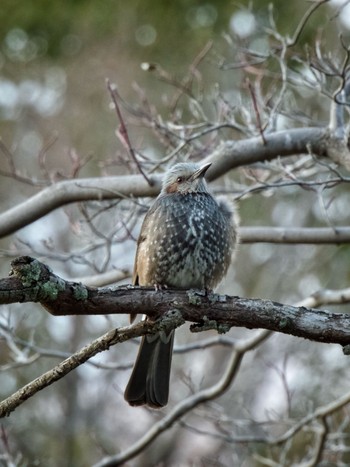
(149, 381)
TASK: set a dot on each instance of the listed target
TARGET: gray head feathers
(185, 177)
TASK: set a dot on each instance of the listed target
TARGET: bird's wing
(142, 237)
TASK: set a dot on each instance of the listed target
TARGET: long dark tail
(149, 381)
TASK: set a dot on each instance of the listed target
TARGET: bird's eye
(180, 179)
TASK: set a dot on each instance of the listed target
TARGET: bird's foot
(159, 287)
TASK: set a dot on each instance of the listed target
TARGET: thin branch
(105, 278)
(312, 185)
(123, 132)
(187, 81)
(189, 403)
(340, 100)
(14, 173)
(100, 344)
(319, 413)
(321, 433)
(256, 110)
(223, 340)
(297, 33)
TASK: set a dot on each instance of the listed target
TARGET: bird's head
(185, 177)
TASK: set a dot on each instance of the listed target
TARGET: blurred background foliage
(54, 59)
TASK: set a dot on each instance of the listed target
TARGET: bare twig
(303, 22)
(256, 110)
(123, 133)
(14, 173)
(186, 83)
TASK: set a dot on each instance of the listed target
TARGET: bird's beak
(201, 171)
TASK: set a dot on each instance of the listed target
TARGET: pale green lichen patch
(210, 324)
(223, 328)
(80, 292)
(283, 323)
(49, 291)
(30, 273)
(61, 284)
(215, 298)
(194, 298)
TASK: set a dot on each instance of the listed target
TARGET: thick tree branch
(228, 155)
(71, 191)
(231, 154)
(32, 281)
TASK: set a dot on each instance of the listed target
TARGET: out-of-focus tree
(262, 91)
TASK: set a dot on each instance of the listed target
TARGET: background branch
(297, 235)
(228, 155)
(101, 344)
(71, 191)
(188, 404)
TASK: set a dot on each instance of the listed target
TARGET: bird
(186, 241)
